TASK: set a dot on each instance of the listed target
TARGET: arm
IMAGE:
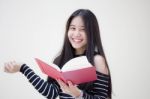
(49, 90)
(101, 86)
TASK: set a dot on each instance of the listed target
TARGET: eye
(72, 28)
(82, 29)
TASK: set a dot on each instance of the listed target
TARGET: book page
(76, 63)
(54, 66)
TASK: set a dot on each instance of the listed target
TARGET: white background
(35, 28)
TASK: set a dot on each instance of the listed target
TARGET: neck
(79, 52)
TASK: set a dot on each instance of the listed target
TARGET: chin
(77, 46)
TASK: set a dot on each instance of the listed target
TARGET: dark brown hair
(94, 43)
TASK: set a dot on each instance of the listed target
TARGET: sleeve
(47, 89)
(101, 88)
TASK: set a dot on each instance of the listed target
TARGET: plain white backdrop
(35, 28)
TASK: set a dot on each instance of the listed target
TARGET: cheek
(69, 35)
(85, 37)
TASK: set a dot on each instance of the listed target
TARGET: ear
(100, 64)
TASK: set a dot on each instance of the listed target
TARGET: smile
(77, 40)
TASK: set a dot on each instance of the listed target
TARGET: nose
(77, 33)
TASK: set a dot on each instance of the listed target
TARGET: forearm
(89, 96)
(49, 90)
(100, 88)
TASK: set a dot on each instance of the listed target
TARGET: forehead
(77, 21)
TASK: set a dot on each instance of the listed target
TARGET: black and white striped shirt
(52, 90)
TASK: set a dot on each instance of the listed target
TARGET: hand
(70, 89)
(12, 67)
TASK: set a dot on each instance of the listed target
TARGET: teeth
(76, 40)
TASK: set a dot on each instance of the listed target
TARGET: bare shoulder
(100, 64)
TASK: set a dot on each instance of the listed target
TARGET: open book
(77, 70)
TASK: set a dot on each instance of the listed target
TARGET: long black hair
(94, 43)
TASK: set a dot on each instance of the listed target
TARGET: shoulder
(100, 64)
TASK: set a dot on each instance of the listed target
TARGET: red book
(77, 70)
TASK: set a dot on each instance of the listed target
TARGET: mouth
(76, 40)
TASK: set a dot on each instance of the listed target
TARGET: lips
(76, 40)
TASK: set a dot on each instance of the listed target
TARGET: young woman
(82, 37)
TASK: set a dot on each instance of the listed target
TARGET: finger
(10, 65)
(59, 82)
(62, 83)
(70, 83)
(7, 69)
(61, 86)
(13, 62)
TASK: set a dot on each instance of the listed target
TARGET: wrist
(79, 96)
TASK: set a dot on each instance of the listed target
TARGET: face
(77, 35)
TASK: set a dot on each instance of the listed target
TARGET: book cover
(77, 70)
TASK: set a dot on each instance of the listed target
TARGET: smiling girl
(82, 37)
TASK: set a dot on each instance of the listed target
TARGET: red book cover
(78, 70)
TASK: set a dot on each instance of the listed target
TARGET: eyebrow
(74, 25)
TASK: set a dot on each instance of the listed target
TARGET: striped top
(52, 90)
